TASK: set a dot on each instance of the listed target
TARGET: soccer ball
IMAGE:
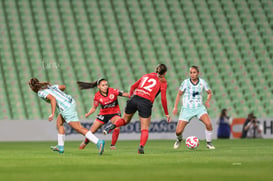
(192, 142)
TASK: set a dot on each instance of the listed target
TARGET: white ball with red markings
(192, 142)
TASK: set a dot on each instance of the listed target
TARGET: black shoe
(109, 128)
(140, 150)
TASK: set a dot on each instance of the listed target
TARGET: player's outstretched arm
(91, 111)
(125, 94)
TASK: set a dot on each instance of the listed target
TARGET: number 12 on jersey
(148, 83)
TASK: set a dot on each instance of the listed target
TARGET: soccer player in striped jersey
(107, 97)
(192, 89)
(142, 95)
(66, 107)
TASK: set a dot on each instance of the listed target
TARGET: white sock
(92, 137)
(61, 139)
(208, 135)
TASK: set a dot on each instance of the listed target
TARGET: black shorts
(140, 104)
(105, 118)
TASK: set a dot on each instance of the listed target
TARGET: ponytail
(89, 85)
(86, 85)
(36, 85)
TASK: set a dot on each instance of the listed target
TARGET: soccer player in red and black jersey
(107, 97)
(142, 95)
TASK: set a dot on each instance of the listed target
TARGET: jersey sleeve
(206, 86)
(120, 93)
(163, 90)
(133, 87)
(43, 94)
(117, 92)
(183, 86)
(55, 86)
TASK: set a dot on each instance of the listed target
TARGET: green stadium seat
(122, 40)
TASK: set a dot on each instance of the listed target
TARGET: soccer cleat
(113, 147)
(100, 146)
(109, 128)
(82, 145)
(57, 148)
(210, 146)
(177, 144)
(140, 150)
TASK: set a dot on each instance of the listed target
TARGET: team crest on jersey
(101, 100)
(111, 96)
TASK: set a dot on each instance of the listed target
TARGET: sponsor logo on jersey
(111, 96)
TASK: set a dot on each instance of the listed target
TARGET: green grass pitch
(232, 160)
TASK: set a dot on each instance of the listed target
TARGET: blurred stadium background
(62, 41)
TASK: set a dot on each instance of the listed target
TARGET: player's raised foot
(210, 146)
(82, 145)
(177, 144)
(100, 146)
(109, 128)
(113, 147)
(57, 148)
(140, 150)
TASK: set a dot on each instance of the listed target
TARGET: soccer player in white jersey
(66, 107)
(192, 89)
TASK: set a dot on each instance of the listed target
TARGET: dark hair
(250, 115)
(195, 67)
(223, 113)
(89, 85)
(36, 85)
(161, 69)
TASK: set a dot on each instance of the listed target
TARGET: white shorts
(70, 114)
(187, 114)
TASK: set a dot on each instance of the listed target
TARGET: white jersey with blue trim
(63, 101)
(192, 93)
